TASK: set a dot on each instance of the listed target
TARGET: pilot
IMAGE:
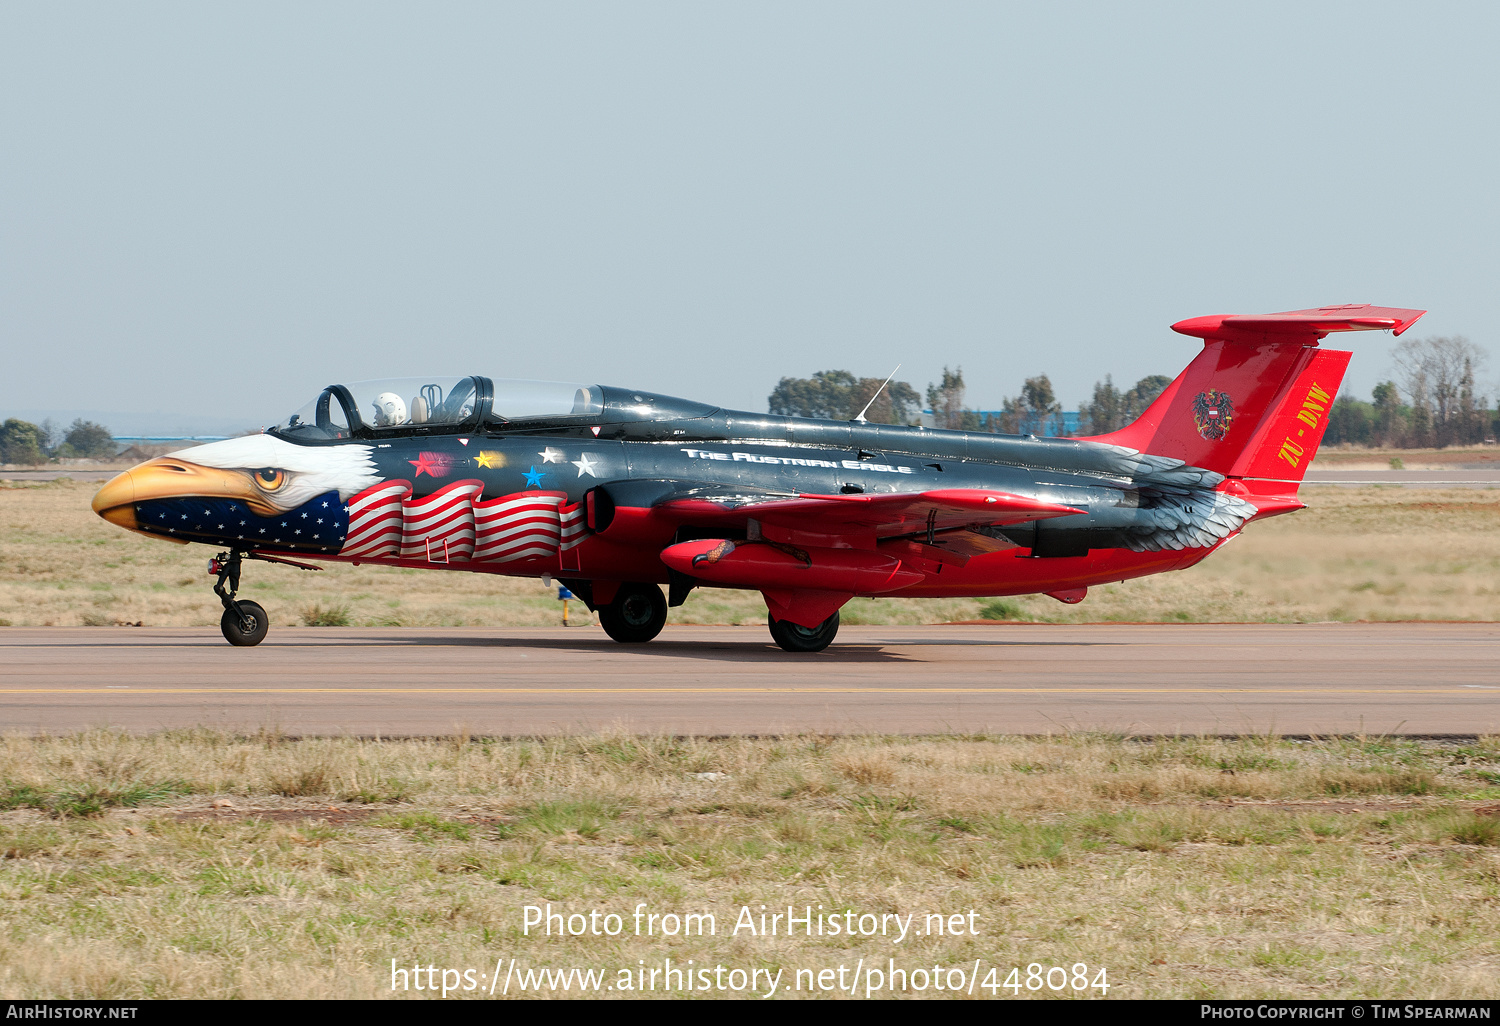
(390, 411)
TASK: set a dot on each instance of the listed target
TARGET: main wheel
(637, 614)
(795, 638)
(249, 630)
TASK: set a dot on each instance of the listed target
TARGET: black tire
(637, 614)
(251, 630)
(796, 638)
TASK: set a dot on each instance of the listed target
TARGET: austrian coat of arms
(1213, 412)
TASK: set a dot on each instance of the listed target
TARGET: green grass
(1189, 867)
(87, 799)
(333, 615)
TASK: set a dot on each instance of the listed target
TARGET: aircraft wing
(807, 585)
(886, 514)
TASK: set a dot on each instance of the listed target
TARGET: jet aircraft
(616, 492)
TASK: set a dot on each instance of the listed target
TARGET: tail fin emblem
(1213, 412)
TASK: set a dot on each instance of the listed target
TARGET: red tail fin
(1238, 407)
(1285, 442)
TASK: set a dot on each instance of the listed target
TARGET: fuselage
(615, 491)
(431, 493)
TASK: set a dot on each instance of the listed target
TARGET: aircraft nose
(168, 478)
(115, 502)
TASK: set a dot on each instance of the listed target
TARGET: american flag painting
(440, 527)
(572, 525)
(519, 526)
(375, 521)
(453, 524)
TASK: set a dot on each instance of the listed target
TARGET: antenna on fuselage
(861, 418)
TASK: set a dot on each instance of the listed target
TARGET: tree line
(1432, 400)
(839, 395)
(28, 444)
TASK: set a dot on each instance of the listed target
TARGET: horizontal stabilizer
(1299, 325)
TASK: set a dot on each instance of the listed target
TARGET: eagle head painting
(258, 489)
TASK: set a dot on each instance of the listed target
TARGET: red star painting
(433, 464)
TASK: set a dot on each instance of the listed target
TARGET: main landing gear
(243, 623)
(796, 638)
(637, 614)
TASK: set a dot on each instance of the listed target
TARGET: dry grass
(1356, 554)
(1189, 868)
(1353, 457)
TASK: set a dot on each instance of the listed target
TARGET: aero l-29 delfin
(616, 491)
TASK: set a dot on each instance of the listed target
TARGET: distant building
(1067, 424)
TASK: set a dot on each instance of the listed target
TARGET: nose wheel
(246, 625)
(243, 623)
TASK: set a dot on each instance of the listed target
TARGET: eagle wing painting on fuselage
(617, 491)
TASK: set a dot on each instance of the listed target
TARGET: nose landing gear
(243, 623)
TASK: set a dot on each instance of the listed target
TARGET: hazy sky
(216, 209)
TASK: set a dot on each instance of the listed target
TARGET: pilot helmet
(390, 411)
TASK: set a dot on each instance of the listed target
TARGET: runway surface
(1463, 476)
(1147, 679)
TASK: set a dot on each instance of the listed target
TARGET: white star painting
(585, 465)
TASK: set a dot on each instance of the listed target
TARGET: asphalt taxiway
(1463, 476)
(1120, 678)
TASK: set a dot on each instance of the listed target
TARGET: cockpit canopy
(516, 399)
(435, 405)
